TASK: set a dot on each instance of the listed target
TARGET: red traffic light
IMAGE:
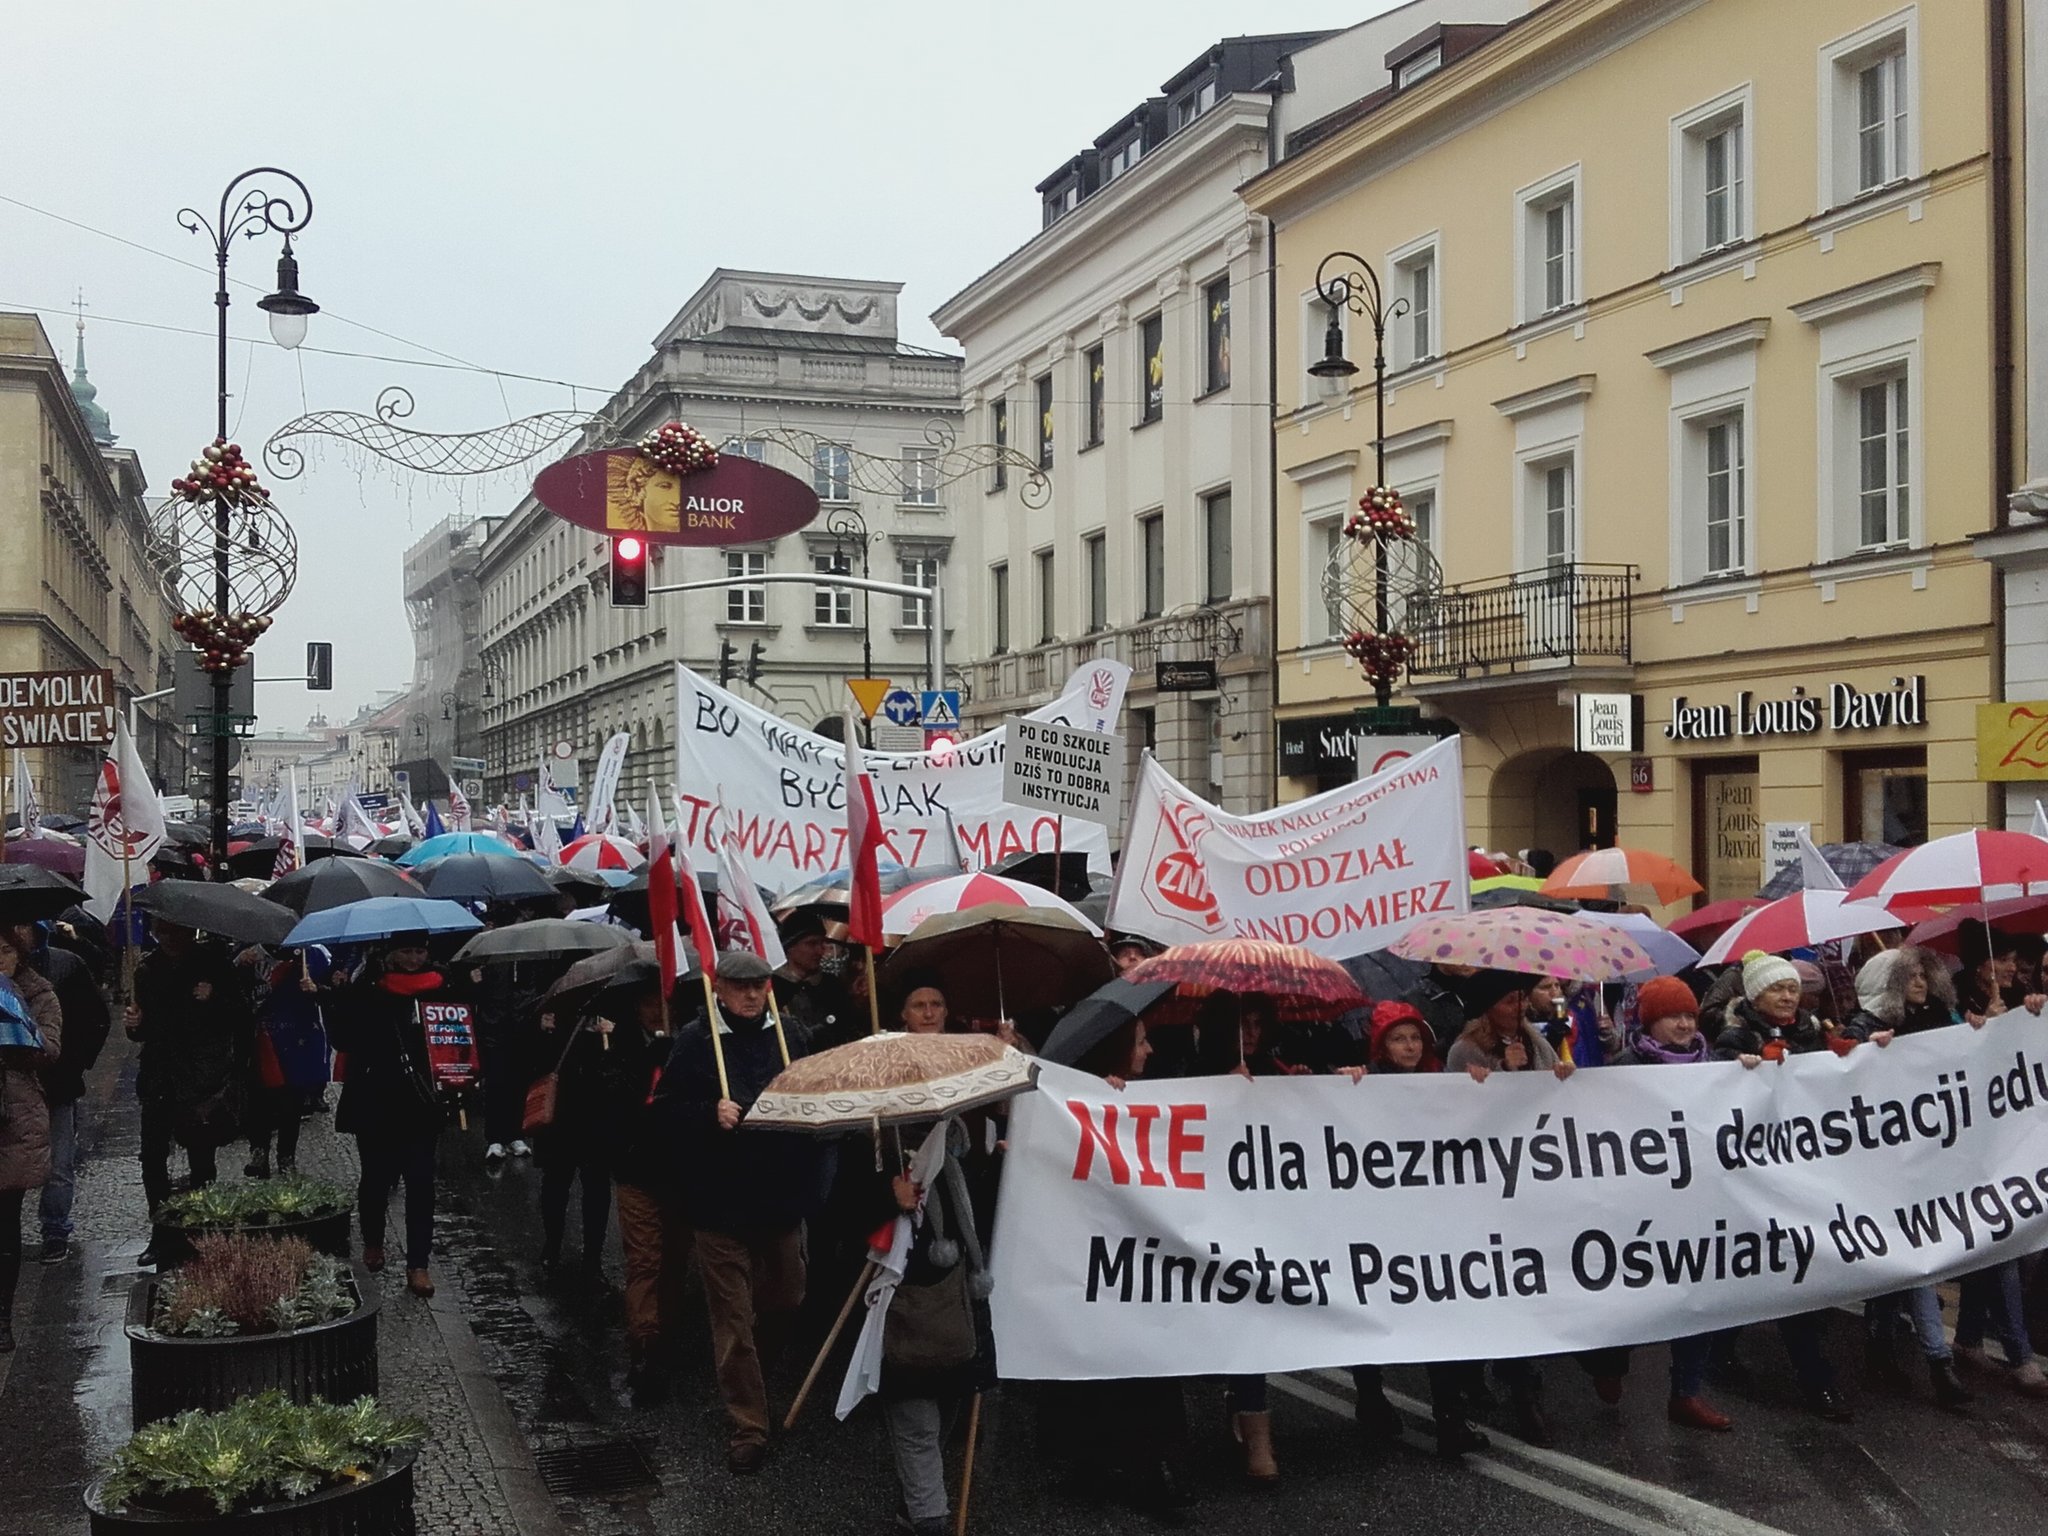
(630, 548)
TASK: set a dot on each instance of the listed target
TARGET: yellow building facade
(1691, 395)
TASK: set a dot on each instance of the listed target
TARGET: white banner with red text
(1234, 1226)
(785, 790)
(1341, 873)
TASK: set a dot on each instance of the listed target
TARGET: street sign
(468, 767)
(401, 781)
(52, 708)
(194, 687)
(900, 707)
(868, 693)
(940, 709)
(1185, 677)
(564, 750)
(1063, 769)
(473, 788)
(376, 802)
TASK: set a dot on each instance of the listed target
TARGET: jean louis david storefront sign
(1833, 707)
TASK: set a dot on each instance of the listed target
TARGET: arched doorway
(1554, 799)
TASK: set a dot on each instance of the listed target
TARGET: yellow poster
(1733, 836)
(2012, 741)
(640, 496)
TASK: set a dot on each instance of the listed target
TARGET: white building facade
(807, 374)
(1128, 348)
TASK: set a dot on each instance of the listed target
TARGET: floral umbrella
(1302, 985)
(1596, 873)
(892, 1079)
(1528, 942)
(910, 906)
(1799, 922)
(1984, 865)
(600, 850)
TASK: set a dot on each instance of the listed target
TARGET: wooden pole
(867, 1272)
(874, 997)
(967, 1466)
(717, 1046)
(775, 1013)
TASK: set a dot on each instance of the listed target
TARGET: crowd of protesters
(240, 1044)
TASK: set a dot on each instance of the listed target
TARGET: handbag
(211, 1122)
(930, 1327)
(542, 1096)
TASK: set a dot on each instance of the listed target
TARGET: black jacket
(86, 1023)
(389, 1087)
(740, 1180)
(602, 1109)
(1747, 1034)
(191, 1047)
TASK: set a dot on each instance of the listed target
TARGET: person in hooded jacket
(389, 1101)
(28, 1000)
(87, 1024)
(1769, 1025)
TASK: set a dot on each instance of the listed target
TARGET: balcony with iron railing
(1573, 618)
(1232, 633)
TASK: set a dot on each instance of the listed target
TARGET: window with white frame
(1415, 334)
(1152, 565)
(1421, 507)
(1315, 332)
(1711, 176)
(746, 605)
(999, 609)
(1326, 537)
(1869, 101)
(1095, 556)
(1551, 511)
(832, 471)
(1715, 536)
(918, 571)
(1216, 532)
(832, 607)
(1048, 597)
(920, 476)
(1420, 67)
(745, 448)
(1884, 478)
(1547, 241)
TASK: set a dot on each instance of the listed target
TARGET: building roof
(86, 393)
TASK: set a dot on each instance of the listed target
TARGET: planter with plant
(294, 1206)
(246, 1314)
(265, 1465)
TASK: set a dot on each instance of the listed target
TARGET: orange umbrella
(1595, 874)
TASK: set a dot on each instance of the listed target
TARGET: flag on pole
(356, 823)
(636, 829)
(740, 907)
(690, 897)
(458, 807)
(25, 797)
(430, 825)
(291, 842)
(2040, 827)
(547, 837)
(411, 813)
(124, 828)
(577, 829)
(502, 818)
(864, 840)
(661, 913)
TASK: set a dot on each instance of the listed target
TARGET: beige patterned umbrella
(892, 1079)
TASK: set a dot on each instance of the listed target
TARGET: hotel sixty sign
(1842, 708)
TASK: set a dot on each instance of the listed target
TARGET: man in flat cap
(746, 1194)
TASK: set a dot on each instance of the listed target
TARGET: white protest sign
(606, 785)
(1229, 1227)
(1358, 881)
(785, 791)
(1062, 769)
(1781, 845)
(1165, 886)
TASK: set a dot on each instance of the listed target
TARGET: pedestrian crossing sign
(941, 709)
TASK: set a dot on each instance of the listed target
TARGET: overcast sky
(525, 187)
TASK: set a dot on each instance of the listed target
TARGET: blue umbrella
(458, 842)
(379, 918)
(18, 1029)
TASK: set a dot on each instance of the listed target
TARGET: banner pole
(717, 1048)
(874, 997)
(775, 1013)
(825, 1350)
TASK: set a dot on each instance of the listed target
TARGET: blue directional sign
(941, 709)
(900, 707)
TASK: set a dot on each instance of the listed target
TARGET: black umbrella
(1098, 1016)
(585, 887)
(544, 938)
(258, 859)
(1066, 878)
(1514, 896)
(391, 847)
(606, 981)
(220, 909)
(486, 877)
(186, 834)
(29, 893)
(337, 881)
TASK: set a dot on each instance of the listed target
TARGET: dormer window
(1194, 104)
(1122, 158)
(1419, 67)
(1065, 200)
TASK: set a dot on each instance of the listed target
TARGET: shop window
(1727, 832)
(1884, 796)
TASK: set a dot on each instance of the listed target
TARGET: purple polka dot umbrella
(1530, 942)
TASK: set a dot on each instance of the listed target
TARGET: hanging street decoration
(223, 529)
(1380, 513)
(679, 449)
(1380, 584)
(731, 499)
(220, 472)
(223, 640)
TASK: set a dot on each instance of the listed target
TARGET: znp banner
(784, 788)
(1342, 873)
(1229, 1226)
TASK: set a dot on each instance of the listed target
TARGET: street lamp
(257, 212)
(1358, 290)
(844, 525)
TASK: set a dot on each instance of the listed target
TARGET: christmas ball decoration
(220, 473)
(223, 640)
(679, 449)
(1380, 515)
(1382, 658)
(1384, 591)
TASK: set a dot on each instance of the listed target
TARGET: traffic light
(726, 660)
(629, 571)
(754, 654)
(319, 664)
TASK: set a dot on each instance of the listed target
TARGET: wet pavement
(521, 1376)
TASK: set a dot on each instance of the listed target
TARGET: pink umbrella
(1529, 942)
(2020, 914)
(1799, 922)
(600, 850)
(1984, 865)
(62, 855)
(910, 906)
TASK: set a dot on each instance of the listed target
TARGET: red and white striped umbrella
(910, 906)
(600, 850)
(1984, 865)
(1799, 922)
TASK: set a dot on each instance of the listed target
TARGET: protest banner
(40, 709)
(1062, 769)
(1341, 873)
(610, 763)
(1233, 1227)
(784, 788)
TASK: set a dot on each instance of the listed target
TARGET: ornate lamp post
(1381, 523)
(237, 557)
(847, 526)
